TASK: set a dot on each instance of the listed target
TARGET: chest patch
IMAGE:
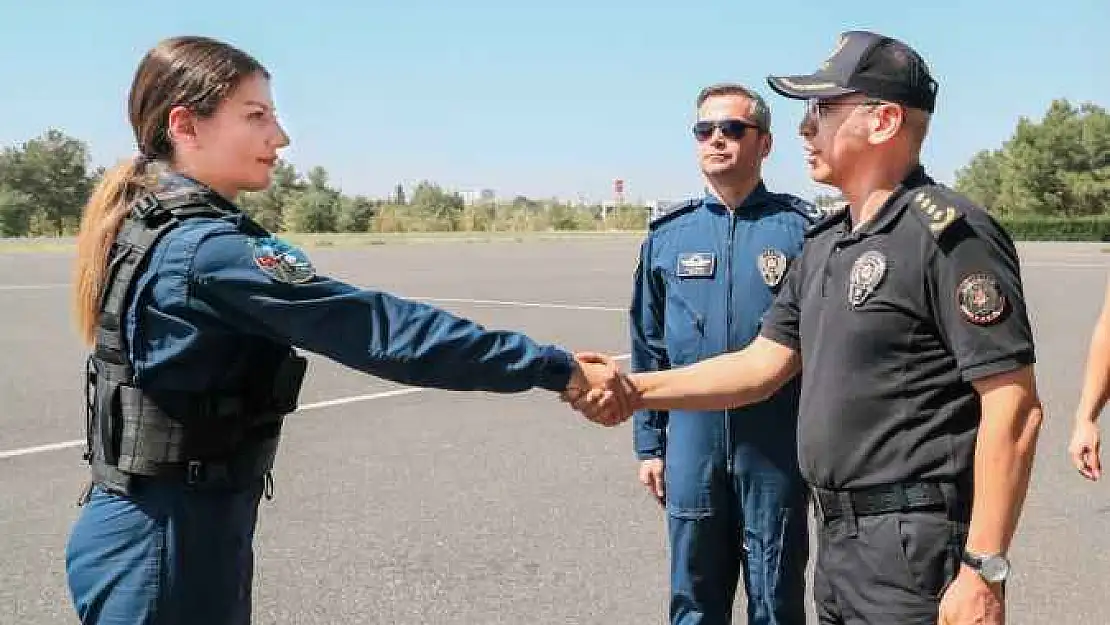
(282, 261)
(867, 272)
(772, 266)
(980, 298)
(696, 265)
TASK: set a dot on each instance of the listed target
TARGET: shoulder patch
(281, 261)
(674, 210)
(981, 299)
(935, 209)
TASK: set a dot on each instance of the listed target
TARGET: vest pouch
(288, 378)
(216, 432)
(105, 429)
(148, 437)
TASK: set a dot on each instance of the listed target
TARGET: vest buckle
(194, 472)
(144, 206)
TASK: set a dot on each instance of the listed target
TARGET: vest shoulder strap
(150, 217)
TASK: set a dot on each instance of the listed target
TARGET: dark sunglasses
(734, 129)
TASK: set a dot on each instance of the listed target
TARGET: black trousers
(887, 568)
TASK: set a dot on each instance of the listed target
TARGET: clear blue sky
(543, 98)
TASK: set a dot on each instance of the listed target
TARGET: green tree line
(45, 182)
(309, 204)
(1058, 166)
(1054, 168)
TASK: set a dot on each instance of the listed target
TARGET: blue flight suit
(736, 504)
(218, 298)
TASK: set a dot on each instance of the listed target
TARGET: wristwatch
(994, 568)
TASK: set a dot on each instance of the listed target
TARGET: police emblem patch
(772, 266)
(282, 261)
(867, 272)
(980, 298)
(696, 265)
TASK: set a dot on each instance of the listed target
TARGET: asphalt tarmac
(397, 505)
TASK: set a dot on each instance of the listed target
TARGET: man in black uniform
(906, 317)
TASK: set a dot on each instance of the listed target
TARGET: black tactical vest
(209, 440)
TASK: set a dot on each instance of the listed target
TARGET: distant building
(477, 196)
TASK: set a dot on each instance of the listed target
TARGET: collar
(757, 198)
(175, 181)
(891, 208)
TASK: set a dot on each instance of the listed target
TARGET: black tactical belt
(237, 471)
(880, 499)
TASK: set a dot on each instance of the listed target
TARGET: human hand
(599, 390)
(1084, 448)
(651, 476)
(970, 600)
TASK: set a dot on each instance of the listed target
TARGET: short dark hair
(760, 113)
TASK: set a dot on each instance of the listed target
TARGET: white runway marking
(32, 287)
(340, 401)
(1054, 264)
(26, 451)
(1062, 265)
(494, 302)
(445, 300)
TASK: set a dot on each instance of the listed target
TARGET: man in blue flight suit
(729, 480)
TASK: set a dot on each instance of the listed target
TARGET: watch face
(995, 568)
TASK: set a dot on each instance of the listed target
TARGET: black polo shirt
(893, 322)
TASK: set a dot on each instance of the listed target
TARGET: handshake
(600, 390)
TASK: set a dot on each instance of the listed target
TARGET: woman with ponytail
(193, 314)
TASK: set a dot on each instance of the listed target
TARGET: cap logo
(840, 43)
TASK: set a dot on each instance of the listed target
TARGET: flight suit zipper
(729, 460)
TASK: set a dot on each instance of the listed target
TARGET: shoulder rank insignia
(807, 209)
(937, 212)
(867, 272)
(980, 299)
(772, 266)
(282, 261)
(825, 223)
(674, 210)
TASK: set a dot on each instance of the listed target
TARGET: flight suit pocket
(684, 328)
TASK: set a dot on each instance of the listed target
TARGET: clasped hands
(600, 390)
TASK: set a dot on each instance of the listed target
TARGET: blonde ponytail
(100, 223)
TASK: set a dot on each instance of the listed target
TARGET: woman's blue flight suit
(219, 301)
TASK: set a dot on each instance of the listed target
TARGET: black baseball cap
(869, 63)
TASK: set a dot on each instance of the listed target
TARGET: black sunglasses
(732, 128)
